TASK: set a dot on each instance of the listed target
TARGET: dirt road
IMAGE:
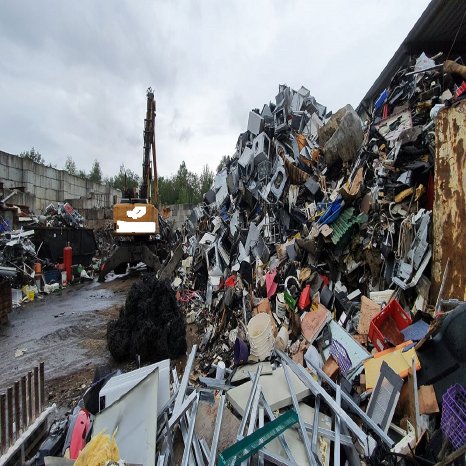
(67, 331)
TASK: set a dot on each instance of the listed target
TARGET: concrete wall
(179, 213)
(43, 185)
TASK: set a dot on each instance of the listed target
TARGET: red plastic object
(68, 260)
(399, 318)
(461, 89)
(230, 281)
(80, 430)
(305, 298)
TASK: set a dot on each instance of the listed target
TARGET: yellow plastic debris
(98, 451)
(397, 360)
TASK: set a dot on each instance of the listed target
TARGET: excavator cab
(135, 218)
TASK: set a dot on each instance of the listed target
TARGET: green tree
(167, 191)
(224, 161)
(206, 179)
(125, 179)
(95, 174)
(185, 187)
(34, 155)
(70, 166)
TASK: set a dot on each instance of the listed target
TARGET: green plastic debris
(290, 300)
(345, 222)
(251, 444)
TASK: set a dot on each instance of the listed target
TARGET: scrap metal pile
(313, 250)
(29, 254)
(62, 215)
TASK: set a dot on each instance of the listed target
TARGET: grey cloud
(74, 74)
(185, 135)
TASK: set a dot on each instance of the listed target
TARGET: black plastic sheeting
(150, 325)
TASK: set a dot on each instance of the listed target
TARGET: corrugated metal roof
(433, 32)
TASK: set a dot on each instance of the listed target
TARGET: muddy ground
(67, 331)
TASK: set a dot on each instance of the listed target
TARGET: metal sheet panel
(134, 418)
(450, 203)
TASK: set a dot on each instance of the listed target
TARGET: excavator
(140, 232)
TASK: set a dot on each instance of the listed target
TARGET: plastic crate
(453, 421)
(401, 318)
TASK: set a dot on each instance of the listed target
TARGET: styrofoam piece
(242, 372)
(381, 297)
(134, 419)
(119, 385)
(274, 388)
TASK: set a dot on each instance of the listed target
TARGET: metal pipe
(281, 437)
(205, 448)
(240, 435)
(260, 459)
(306, 378)
(169, 440)
(275, 459)
(184, 407)
(307, 444)
(189, 439)
(336, 445)
(315, 423)
(197, 451)
(330, 434)
(183, 428)
(218, 426)
(185, 379)
(364, 417)
(254, 408)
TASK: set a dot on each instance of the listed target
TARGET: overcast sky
(73, 74)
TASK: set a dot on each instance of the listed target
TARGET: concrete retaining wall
(179, 213)
(42, 185)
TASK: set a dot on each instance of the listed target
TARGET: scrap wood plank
(369, 309)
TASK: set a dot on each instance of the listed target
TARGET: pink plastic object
(80, 430)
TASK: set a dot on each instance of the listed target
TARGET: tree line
(184, 187)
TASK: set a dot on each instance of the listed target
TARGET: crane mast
(149, 177)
